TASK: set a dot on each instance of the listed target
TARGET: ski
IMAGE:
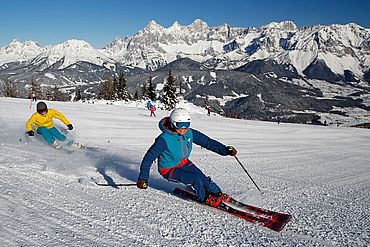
(95, 149)
(64, 149)
(262, 217)
(69, 149)
(260, 211)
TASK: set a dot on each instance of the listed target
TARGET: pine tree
(34, 90)
(119, 88)
(136, 95)
(122, 93)
(180, 91)
(8, 89)
(144, 91)
(56, 94)
(78, 94)
(106, 90)
(151, 91)
(206, 101)
(115, 89)
(169, 98)
(48, 93)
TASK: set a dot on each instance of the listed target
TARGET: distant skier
(43, 120)
(279, 119)
(152, 110)
(209, 111)
(173, 148)
(148, 104)
(34, 97)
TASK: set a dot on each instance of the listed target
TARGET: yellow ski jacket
(45, 120)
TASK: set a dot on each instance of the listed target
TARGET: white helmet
(180, 118)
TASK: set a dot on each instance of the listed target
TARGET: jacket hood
(164, 126)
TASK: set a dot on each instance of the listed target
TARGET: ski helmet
(180, 118)
(41, 106)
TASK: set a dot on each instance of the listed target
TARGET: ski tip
(282, 217)
(278, 225)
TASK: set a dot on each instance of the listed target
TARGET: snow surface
(318, 174)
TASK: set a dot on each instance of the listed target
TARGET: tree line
(53, 93)
(115, 89)
(111, 89)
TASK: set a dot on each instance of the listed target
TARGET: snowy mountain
(71, 52)
(341, 47)
(331, 61)
(17, 51)
(318, 174)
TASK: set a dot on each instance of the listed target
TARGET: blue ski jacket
(173, 150)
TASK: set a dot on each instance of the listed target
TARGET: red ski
(278, 216)
(273, 220)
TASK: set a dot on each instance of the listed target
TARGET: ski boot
(215, 200)
(56, 145)
(76, 145)
(73, 144)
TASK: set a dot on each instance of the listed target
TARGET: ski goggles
(182, 125)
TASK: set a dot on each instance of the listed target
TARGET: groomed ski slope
(320, 175)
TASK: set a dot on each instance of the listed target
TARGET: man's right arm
(30, 122)
(153, 152)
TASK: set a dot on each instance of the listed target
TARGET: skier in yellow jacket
(43, 121)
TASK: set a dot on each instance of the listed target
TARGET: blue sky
(98, 22)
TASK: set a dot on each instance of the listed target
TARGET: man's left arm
(215, 146)
(61, 117)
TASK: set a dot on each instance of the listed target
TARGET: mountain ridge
(331, 60)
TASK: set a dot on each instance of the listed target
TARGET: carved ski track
(55, 216)
(318, 174)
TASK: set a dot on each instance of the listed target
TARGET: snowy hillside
(320, 175)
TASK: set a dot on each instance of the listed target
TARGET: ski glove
(231, 151)
(142, 184)
(70, 127)
(30, 133)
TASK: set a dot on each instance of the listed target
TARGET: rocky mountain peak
(175, 26)
(18, 45)
(153, 26)
(19, 51)
(72, 51)
(198, 24)
(284, 25)
(116, 46)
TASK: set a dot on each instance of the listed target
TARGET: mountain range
(314, 73)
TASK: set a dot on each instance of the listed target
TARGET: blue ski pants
(193, 176)
(50, 134)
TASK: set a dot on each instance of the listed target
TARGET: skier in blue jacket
(173, 147)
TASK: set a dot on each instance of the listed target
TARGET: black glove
(31, 133)
(142, 184)
(70, 127)
(231, 151)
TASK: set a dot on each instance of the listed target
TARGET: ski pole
(113, 185)
(248, 174)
